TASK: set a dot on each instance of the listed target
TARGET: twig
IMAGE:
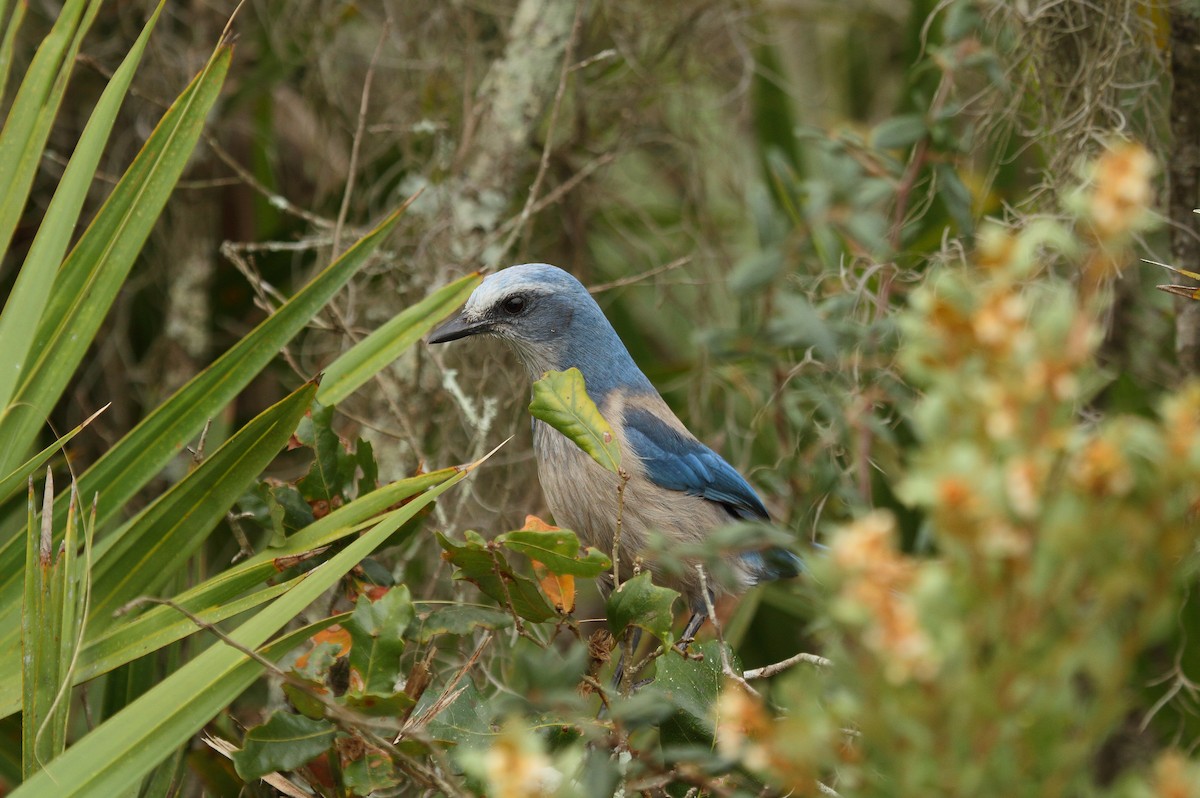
(726, 665)
(767, 671)
(449, 693)
(616, 549)
(637, 278)
(357, 143)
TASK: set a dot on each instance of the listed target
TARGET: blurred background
(749, 188)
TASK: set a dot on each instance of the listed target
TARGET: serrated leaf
(465, 719)
(486, 568)
(459, 619)
(284, 742)
(324, 478)
(556, 549)
(560, 399)
(639, 602)
(377, 705)
(377, 630)
(364, 457)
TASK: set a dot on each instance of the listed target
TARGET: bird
(676, 485)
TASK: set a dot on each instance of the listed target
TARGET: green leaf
(486, 568)
(639, 602)
(117, 753)
(25, 303)
(465, 719)
(6, 49)
(47, 637)
(375, 352)
(899, 132)
(218, 597)
(558, 550)
(692, 687)
(324, 478)
(124, 469)
(139, 557)
(372, 773)
(27, 126)
(756, 272)
(10, 484)
(284, 742)
(561, 400)
(377, 632)
(459, 619)
(797, 323)
(377, 705)
(92, 275)
(162, 625)
(956, 197)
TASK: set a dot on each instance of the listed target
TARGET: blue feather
(678, 462)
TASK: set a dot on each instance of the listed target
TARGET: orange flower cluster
(877, 580)
(1122, 191)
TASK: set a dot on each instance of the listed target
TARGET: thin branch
(770, 670)
(448, 694)
(357, 143)
(726, 665)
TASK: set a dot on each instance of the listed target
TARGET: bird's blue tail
(773, 563)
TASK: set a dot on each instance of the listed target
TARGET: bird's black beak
(456, 328)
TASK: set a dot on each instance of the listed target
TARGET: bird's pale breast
(583, 497)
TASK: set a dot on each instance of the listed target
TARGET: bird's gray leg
(689, 632)
(635, 637)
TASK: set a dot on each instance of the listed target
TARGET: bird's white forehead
(502, 284)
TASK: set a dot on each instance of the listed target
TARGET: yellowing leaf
(559, 588)
(561, 400)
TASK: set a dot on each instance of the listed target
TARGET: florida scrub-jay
(677, 485)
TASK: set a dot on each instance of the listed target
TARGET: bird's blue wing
(678, 462)
(675, 461)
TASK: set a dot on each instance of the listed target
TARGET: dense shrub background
(885, 256)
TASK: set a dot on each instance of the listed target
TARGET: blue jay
(677, 485)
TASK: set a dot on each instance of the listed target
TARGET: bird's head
(541, 310)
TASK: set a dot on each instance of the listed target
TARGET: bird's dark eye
(514, 305)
